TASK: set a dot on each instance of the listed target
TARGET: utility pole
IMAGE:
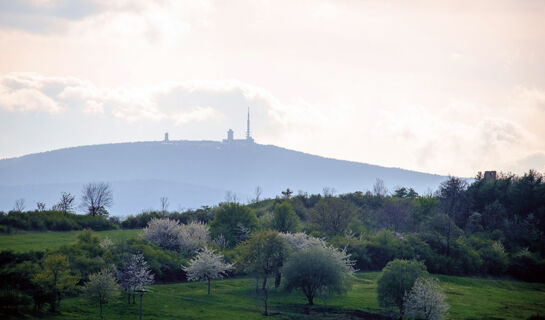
(141, 293)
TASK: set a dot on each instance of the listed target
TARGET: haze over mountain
(189, 173)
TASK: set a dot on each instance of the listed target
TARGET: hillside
(189, 173)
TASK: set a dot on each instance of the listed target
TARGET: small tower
(248, 136)
(166, 137)
(230, 135)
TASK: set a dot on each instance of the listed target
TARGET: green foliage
(284, 218)
(234, 222)
(55, 279)
(331, 216)
(55, 221)
(397, 279)
(316, 271)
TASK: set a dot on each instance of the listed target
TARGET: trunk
(277, 279)
(310, 300)
(128, 298)
(256, 285)
(133, 298)
(265, 296)
(101, 316)
(208, 285)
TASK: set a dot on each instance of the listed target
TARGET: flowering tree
(163, 232)
(172, 235)
(300, 241)
(206, 266)
(101, 287)
(425, 300)
(134, 274)
(193, 236)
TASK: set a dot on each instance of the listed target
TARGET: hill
(189, 173)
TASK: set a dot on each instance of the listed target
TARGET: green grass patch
(40, 241)
(236, 299)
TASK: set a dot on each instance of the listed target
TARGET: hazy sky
(448, 87)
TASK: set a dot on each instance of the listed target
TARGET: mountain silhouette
(190, 173)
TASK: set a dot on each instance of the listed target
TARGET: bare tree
(96, 197)
(379, 189)
(40, 206)
(231, 197)
(286, 194)
(258, 192)
(66, 204)
(328, 192)
(164, 204)
(19, 205)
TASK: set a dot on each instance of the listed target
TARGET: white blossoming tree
(425, 300)
(207, 266)
(100, 288)
(193, 236)
(170, 234)
(163, 232)
(134, 274)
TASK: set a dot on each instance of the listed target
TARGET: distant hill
(189, 173)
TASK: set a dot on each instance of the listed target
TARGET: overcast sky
(448, 87)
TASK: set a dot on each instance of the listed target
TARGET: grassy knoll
(235, 299)
(39, 241)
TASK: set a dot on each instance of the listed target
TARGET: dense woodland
(491, 227)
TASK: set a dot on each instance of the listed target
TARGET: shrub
(397, 279)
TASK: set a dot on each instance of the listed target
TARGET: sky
(446, 87)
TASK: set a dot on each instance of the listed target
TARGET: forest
(491, 227)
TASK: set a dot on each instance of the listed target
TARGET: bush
(397, 279)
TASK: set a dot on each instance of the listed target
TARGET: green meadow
(236, 299)
(41, 241)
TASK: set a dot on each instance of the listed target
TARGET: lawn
(39, 241)
(236, 299)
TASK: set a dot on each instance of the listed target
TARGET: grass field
(470, 298)
(39, 241)
(235, 299)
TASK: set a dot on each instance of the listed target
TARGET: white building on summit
(230, 134)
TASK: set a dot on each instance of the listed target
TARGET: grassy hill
(235, 299)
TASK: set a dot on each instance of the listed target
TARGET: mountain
(189, 173)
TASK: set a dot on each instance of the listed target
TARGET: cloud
(180, 103)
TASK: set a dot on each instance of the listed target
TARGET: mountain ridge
(203, 166)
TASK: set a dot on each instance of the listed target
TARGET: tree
(172, 235)
(317, 271)
(284, 218)
(207, 265)
(66, 204)
(134, 274)
(286, 194)
(264, 254)
(101, 287)
(331, 216)
(96, 197)
(55, 279)
(455, 203)
(397, 279)
(425, 300)
(19, 205)
(258, 191)
(301, 241)
(193, 236)
(163, 232)
(164, 204)
(40, 206)
(234, 222)
(379, 189)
